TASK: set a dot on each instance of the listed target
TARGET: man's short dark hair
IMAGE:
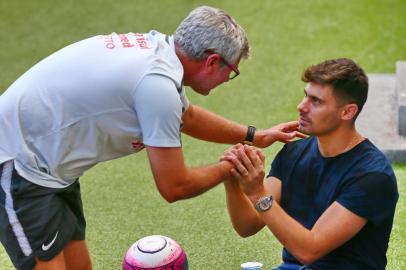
(348, 79)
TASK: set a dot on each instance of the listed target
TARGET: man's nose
(301, 107)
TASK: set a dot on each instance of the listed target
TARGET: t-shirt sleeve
(159, 108)
(276, 167)
(372, 196)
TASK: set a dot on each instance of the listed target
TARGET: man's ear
(349, 112)
(212, 60)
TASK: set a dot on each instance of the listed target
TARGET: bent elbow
(171, 194)
(174, 194)
(244, 232)
(170, 198)
(307, 258)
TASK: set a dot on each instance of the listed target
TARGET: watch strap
(249, 138)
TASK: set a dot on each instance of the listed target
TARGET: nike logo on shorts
(47, 246)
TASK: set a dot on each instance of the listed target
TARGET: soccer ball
(155, 252)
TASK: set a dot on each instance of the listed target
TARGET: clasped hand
(249, 168)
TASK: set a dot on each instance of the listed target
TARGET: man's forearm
(300, 241)
(176, 181)
(245, 219)
(205, 125)
(201, 179)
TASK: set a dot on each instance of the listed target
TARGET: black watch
(249, 138)
(264, 203)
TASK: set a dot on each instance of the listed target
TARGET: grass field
(121, 202)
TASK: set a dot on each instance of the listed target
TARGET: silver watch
(264, 203)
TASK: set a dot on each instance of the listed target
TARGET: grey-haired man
(99, 99)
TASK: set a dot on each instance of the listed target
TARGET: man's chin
(304, 130)
(203, 92)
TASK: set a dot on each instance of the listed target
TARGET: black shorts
(36, 221)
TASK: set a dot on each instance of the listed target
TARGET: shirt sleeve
(372, 196)
(276, 167)
(159, 108)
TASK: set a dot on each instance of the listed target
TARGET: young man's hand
(248, 167)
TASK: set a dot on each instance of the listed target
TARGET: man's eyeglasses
(234, 70)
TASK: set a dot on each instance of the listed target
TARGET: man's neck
(338, 142)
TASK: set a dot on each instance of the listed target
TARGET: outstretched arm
(208, 126)
(175, 181)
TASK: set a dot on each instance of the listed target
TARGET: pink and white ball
(155, 252)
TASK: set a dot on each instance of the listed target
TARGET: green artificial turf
(120, 199)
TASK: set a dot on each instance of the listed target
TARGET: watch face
(264, 203)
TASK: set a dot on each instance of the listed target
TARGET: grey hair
(207, 28)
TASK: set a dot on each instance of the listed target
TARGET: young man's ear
(349, 112)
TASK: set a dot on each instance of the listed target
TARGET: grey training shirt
(85, 104)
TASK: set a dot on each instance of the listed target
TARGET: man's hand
(284, 132)
(249, 168)
(137, 145)
(232, 153)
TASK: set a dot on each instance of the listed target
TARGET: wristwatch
(264, 203)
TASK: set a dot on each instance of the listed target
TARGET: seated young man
(330, 198)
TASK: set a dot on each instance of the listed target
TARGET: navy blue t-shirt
(361, 180)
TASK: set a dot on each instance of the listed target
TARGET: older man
(99, 99)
